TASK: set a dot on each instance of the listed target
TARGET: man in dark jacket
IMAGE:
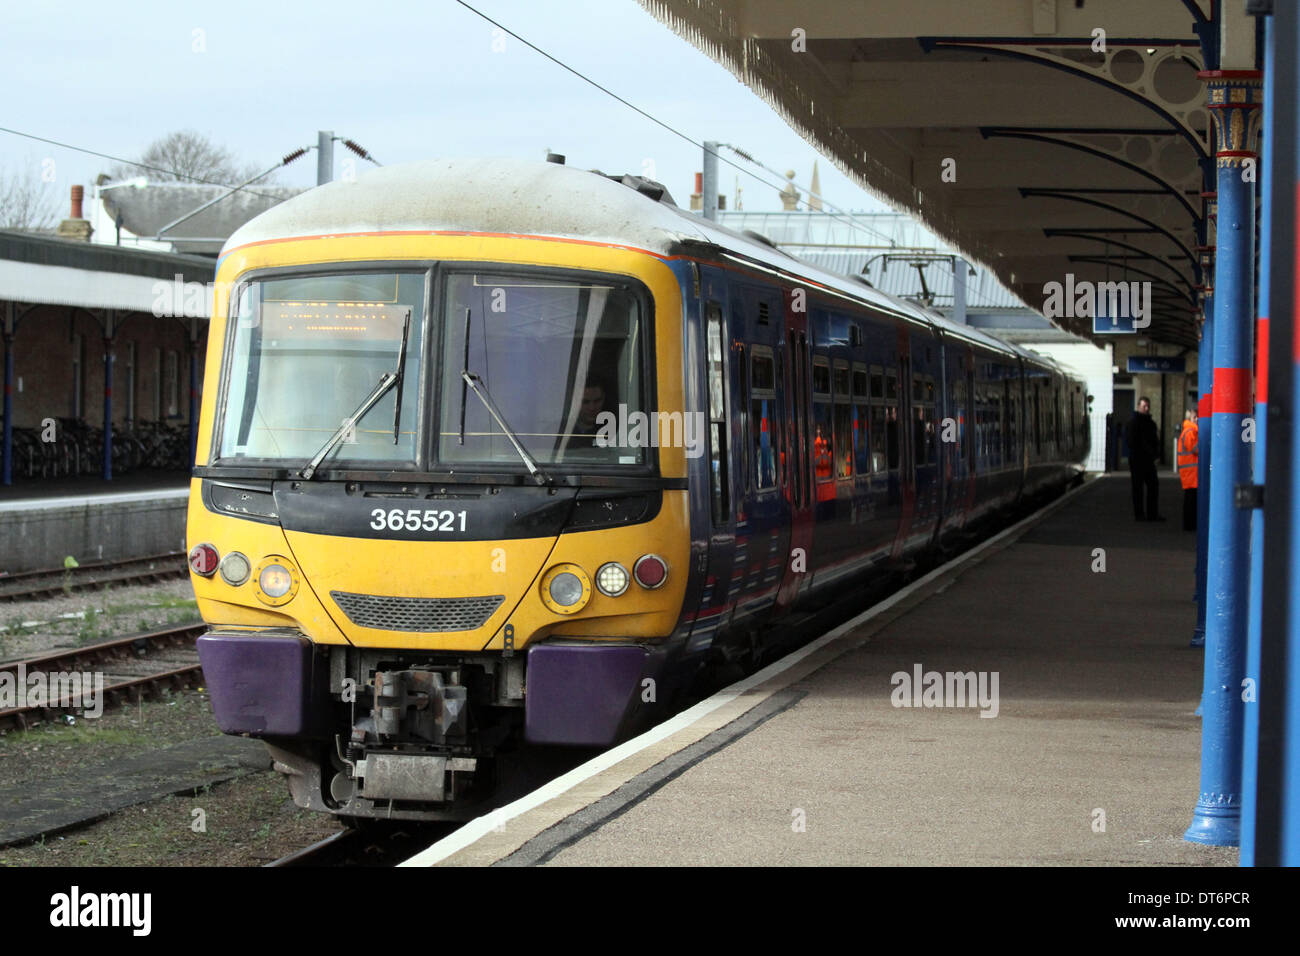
(1143, 440)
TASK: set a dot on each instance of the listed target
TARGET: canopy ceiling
(1006, 125)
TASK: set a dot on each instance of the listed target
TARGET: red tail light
(650, 571)
(204, 560)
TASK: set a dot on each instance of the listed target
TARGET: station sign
(1156, 364)
(1121, 324)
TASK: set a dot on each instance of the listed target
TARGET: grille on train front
(417, 614)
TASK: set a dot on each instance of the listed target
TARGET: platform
(1093, 757)
(43, 522)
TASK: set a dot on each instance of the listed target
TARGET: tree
(27, 204)
(187, 156)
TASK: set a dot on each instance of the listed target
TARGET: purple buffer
(264, 686)
(579, 694)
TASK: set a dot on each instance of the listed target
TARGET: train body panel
(465, 559)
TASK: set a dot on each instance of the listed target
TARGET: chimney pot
(78, 194)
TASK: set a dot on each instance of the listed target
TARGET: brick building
(96, 333)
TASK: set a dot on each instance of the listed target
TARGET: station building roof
(46, 270)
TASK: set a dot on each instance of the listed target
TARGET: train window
(329, 337)
(923, 420)
(823, 438)
(562, 358)
(861, 421)
(798, 411)
(821, 377)
(1011, 399)
(960, 414)
(742, 412)
(841, 383)
(892, 454)
(764, 423)
(844, 427)
(718, 434)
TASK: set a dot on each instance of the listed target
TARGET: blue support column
(1204, 404)
(7, 467)
(1250, 729)
(1234, 97)
(1273, 826)
(108, 408)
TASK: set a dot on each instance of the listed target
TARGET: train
(498, 456)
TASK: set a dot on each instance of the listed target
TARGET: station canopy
(1044, 138)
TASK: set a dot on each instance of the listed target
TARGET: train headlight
(566, 589)
(203, 560)
(612, 579)
(277, 581)
(235, 569)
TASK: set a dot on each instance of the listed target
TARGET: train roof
(517, 197)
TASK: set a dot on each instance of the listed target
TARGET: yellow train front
(416, 529)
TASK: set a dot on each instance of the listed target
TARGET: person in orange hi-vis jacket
(1188, 450)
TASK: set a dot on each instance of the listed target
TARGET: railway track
(131, 667)
(377, 844)
(51, 582)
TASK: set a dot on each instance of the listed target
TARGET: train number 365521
(413, 519)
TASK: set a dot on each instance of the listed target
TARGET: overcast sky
(407, 80)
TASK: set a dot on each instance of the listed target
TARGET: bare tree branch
(190, 157)
(26, 203)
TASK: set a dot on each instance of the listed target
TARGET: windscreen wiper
(401, 375)
(386, 381)
(478, 388)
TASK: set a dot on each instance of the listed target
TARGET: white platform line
(479, 827)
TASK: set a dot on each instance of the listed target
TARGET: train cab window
(843, 436)
(823, 438)
(562, 357)
(862, 464)
(306, 352)
(764, 421)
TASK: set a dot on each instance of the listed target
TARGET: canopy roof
(1042, 138)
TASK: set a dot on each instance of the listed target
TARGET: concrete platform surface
(1093, 756)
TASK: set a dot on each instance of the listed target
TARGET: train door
(798, 563)
(907, 461)
(762, 538)
(972, 435)
(715, 600)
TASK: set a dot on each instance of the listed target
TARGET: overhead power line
(632, 106)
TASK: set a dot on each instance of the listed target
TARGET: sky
(407, 80)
